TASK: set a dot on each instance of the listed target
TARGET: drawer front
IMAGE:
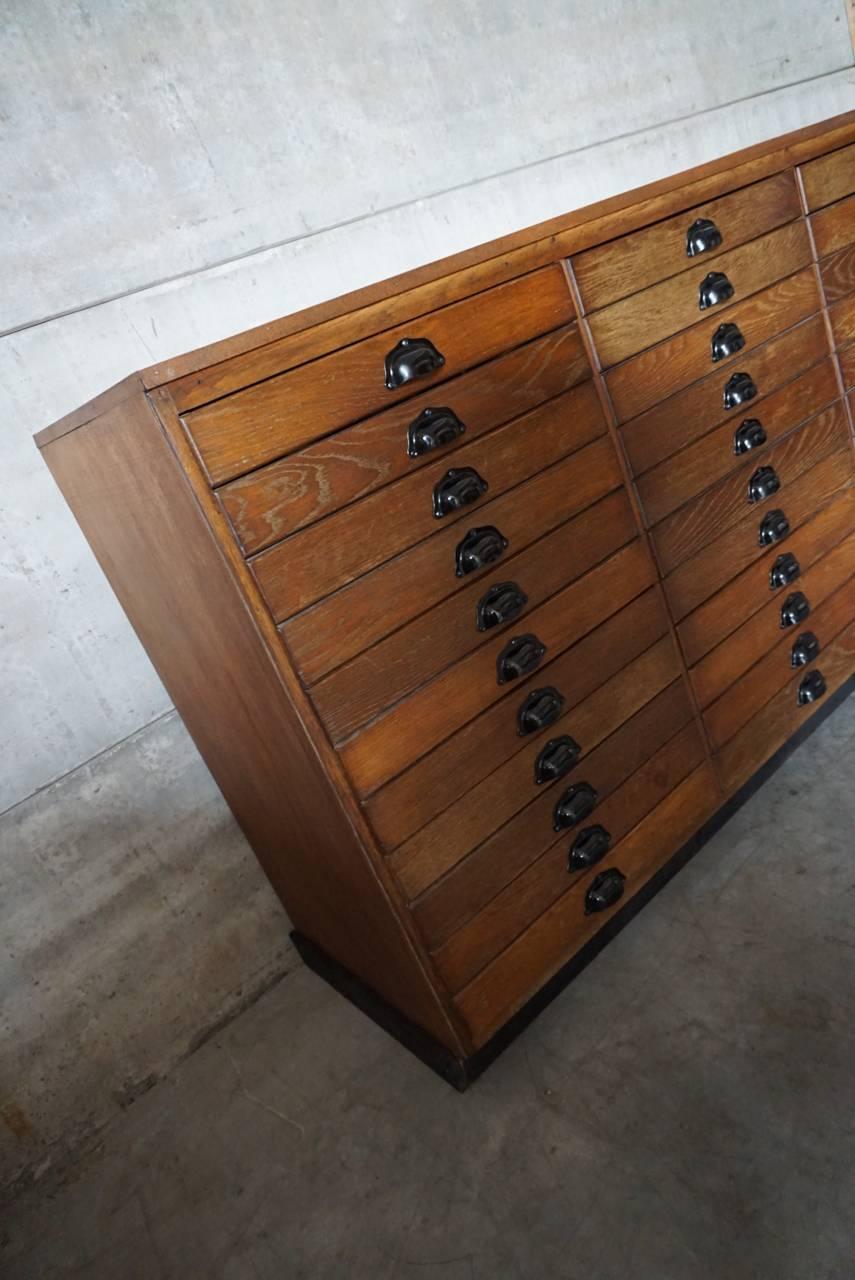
(610, 752)
(317, 561)
(720, 616)
(688, 530)
(657, 373)
(834, 227)
(251, 427)
(284, 496)
(701, 464)
(838, 274)
(409, 585)
(829, 177)
(614, 270)
(698, 578)
(725, 664)
(523, 967)
(783, 716)
(687, 416)
(470, 949)
(415, 796)
(747, 697)
(645, 318)
(419, 723)
(357, 692)
(842, 316)
(847, 366)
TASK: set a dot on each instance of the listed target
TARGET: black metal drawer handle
(590, 846)
(811, 688)
(805, 649)
(604, 891)
(751, 434)
(477, 549)
(574, 805)
(726, 341)
(795, 609)
(458, 488)
(774, 527)
(499, 604)
(541, 708)
(411, 358)
(784, 571)
(520, 656)
(763, 483)
(433, 429)
(556, 759)
(702, 236)
(739, 388)
(713, 290)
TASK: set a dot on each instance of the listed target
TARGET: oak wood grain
(284, 496)
(411, 583)
(701, 464)
(782, 716)
(688, 530)
(699, 577)
(523, 967)
(829, 177)
(535, 889)
(636, 726)
(645, 318)
(415, 653)
(729, 660)
(842, 316)
(242, 431)
(434, 712)
(748, 695)
(684, 417)
(719, 616)
(847, 365)
(326, 556)
(657, 373)
(838, 274)
(641, 258)
(834, 227)
(410, 800)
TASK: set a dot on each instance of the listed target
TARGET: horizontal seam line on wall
(120, 742)
(404, 204)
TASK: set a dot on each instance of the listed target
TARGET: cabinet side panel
(137, 509)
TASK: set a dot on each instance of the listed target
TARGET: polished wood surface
(642, 258)
(829, 177)
(834, 227)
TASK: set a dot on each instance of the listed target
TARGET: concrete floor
(684, 1111)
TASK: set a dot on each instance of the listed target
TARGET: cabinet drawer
(318, 560)
(744, 595)
(782, 716)
(842, 316)
(696, 579)
(414, 654)
(410, 584)
(415, 796)
(534, 890)
(251, 427)
(690, 414)
(688, 530)
(829, 177)
(729, 660)
(834, 228)
(756, 687)
(645, 318)
(611, 751)
(701, 464)
(526, 965)
(847, 366)
(838, 274)
(410, 729)
(613, 270)
(657, 373)
(284, 496)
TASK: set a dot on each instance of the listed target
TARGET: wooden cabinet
(483, 590)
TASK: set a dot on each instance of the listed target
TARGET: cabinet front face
(550, 551)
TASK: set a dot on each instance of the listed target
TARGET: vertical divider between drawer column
(826, 318)
(629, 482)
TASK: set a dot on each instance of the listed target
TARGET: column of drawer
(829, 186)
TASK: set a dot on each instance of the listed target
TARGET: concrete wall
(170, 175)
